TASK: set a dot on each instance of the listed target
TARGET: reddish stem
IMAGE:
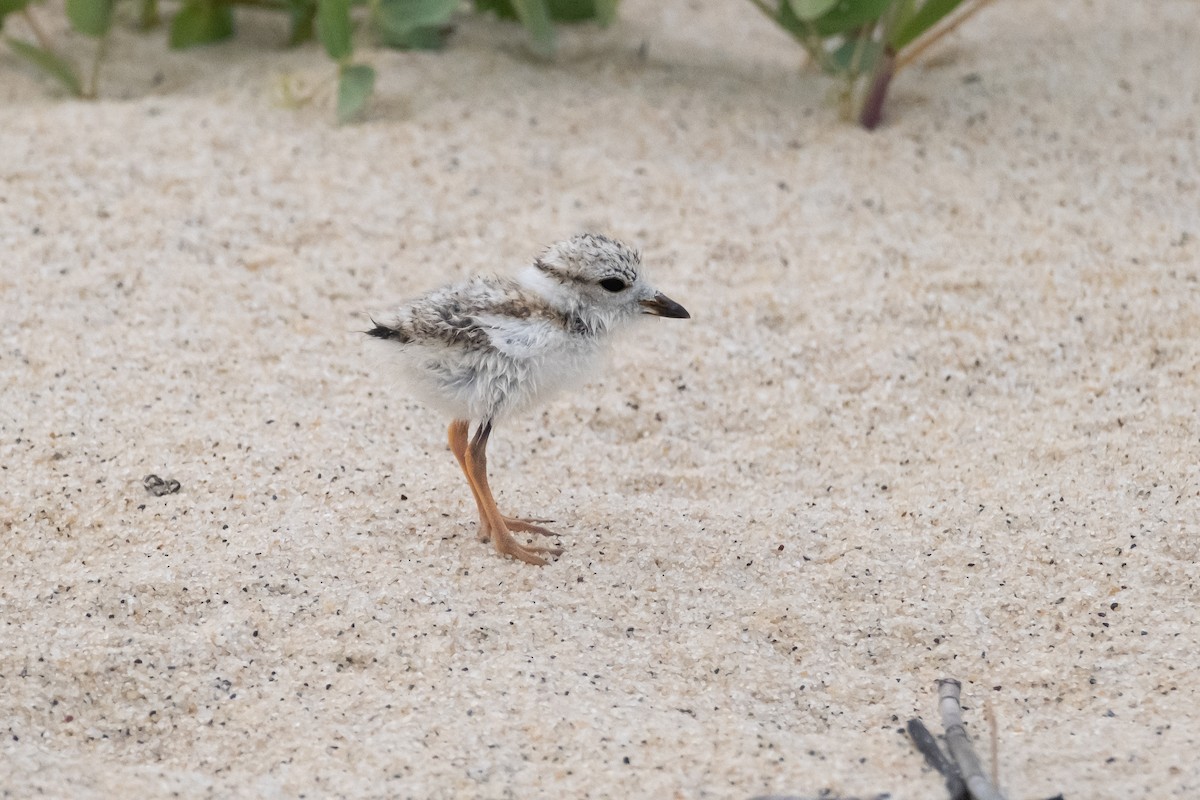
(871, 113)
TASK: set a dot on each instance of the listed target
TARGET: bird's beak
(662, 306)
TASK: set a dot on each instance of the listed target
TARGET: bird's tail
(386, 332)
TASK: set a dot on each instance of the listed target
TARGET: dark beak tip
(663, 306)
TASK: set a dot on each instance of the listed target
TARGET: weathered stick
(928, 747)
(959, 745)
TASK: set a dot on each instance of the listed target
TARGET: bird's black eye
(613, 285)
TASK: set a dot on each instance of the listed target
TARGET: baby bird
(489, 347)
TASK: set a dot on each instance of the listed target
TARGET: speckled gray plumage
(488, 346)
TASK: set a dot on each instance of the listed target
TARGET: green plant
(866, 42)
(863, 42)
(90, 17)
(539, 16)
(407, 24)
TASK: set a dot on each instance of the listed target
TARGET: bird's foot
(507, 544)
(517, 525)
(527, 525)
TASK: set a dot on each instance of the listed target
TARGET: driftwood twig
(959, 745)
(934, 757)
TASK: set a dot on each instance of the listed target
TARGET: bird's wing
(442, 318)
(481, 313)
(521, 338)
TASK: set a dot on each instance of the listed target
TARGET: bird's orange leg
(458, 446)
(475, 459)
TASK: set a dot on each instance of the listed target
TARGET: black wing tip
(381, 332)
(384, 332)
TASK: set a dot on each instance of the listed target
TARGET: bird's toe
(526, 525)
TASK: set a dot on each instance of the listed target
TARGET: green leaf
(333, 28)
(571, 10)
(416, 39)
(400, 17)
(147, 14)
(415, 24)
(201, 22)
(355, 85)
(90, 17)
(901, 12)
(49, 63)
(841, 59)
(606, 11)
(788, 20)
(928, 15)
(847, 15)
(535, 16)
(810, 9)
(501, 8)
(303, 14)
(603, 11)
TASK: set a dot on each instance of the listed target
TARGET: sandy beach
(935, 414)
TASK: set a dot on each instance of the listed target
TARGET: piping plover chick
(490, 347)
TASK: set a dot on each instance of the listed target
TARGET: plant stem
(816, 47)
(38, 34)
(871, 113)
(865, 33)
(94, 77)
(148, 16)
(914, 52)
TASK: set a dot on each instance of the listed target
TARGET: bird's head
(602, 278)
